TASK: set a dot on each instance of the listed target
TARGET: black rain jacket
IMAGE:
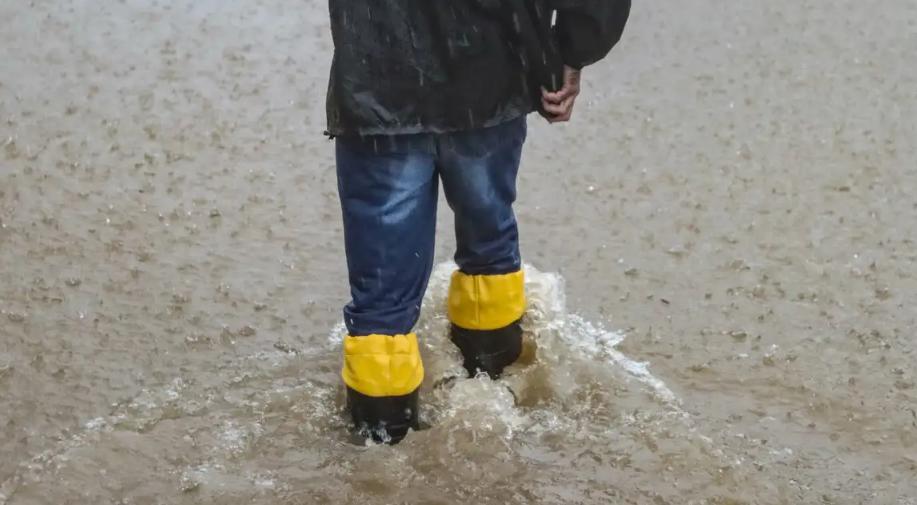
(412, 66)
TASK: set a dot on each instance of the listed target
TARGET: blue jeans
(388, 187)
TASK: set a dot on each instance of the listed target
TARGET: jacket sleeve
(586, 30)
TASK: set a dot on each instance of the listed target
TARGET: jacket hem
(422, 129)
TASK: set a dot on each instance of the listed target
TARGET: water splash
(557, 332)
(244, 407)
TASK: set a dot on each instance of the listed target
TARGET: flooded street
(721, 251)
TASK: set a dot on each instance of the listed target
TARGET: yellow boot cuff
(486, 302)
(382, 365)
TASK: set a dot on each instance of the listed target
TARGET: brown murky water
(732, 214)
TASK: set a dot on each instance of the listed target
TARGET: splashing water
(166, 200)
(270, 425)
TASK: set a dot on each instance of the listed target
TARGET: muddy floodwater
(721, 252)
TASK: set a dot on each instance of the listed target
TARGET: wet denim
(388, 187)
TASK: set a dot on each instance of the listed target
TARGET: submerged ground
(733, 204)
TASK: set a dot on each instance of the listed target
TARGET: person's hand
(558, 106)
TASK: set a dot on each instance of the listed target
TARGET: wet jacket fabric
(435, 66)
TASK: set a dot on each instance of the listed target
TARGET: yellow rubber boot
(383, 374)
(485, 311)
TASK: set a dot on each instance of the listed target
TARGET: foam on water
(229, 412)
(548, 312)
(561, 341)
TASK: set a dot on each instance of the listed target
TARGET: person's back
(410, 66)
(423, 90)
(404, 66)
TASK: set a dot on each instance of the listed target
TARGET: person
(423, 91)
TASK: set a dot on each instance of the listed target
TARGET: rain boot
(383, 375)
(485, 312)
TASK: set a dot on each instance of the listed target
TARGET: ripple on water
(272, 423)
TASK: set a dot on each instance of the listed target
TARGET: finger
(552, 98)
(571, 92)
(569, 103)
(559, 96)
(556, 96)
(553, 108)
(562, 108)
(564, 116)
(560, 117)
